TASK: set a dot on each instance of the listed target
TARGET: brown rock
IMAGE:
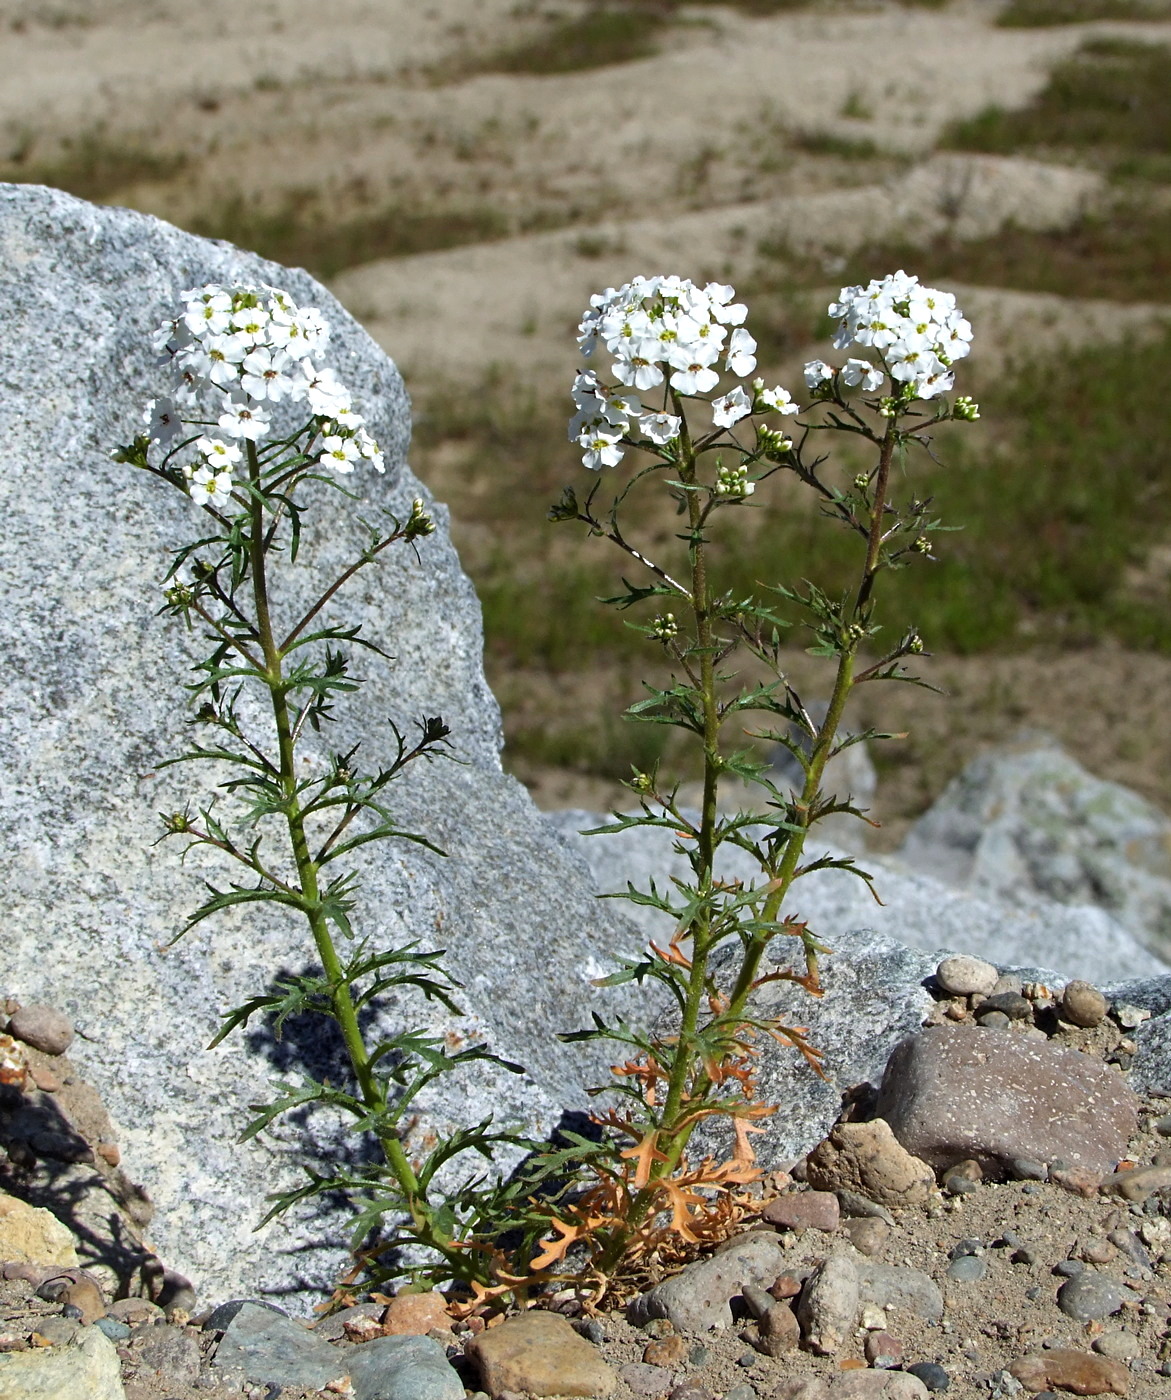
(1083, 1005)
(110, 1153)
(42, 1027)
(44, 1078)
(541, 1353)
(804, 1210)
(86, 1296)
(867, 1158)
(786, 1286)
(883, 1351)
(876, 1385)
(955, 1092)
(1063, 1368)
(668, 1352)
(775, 1333)
(30, 1235)
(867, 1235)
(1077, 1181)
(415, 1314)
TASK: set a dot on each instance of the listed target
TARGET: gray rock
(961, 975)
(1151, 1069)
(830, 1303)
(968, 1268)
(644, 1379)
(1029, 821)
(899, 1286)
(87, 1366)
(402, 1368)
(174, 1353)
(696, 1299)
(273, 1349)
(1068, 940)
(1089, 1296)
(94, 702)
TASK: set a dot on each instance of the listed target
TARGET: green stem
(344, 1012)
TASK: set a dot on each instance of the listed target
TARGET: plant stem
(343, 1006)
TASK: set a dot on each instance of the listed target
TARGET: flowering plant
(639, 1194)
(254, 420)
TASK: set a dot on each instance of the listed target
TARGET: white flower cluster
(253, 347)
(660, 330)
(917, 331)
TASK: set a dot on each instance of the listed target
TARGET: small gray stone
(968, 1268)
(400, 1368)
(1082, 1004)
(1130, 1017)
(961, 975)
(696, 1299)
(743, 1391)
(1010, 1004)
(994, 1020)
(266, 1346)
(644, 1379)
(933, 1376)
(863, 1208)
(1028, 1169)
(1119, 1346)
(173, 1353)
(115, 1330)
(43, 1027)
(1091, 1296)
(1163, 1125)
(1069, 1268)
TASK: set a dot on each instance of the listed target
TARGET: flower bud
(861, 482)
(665, 627)
(922, 545)
(179, 595)
(419, 523)
(966, 409)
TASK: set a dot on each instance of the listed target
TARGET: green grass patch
(598, 39)
(93, 166)
(1119, 254)
(1040, 14)
(1111, 99)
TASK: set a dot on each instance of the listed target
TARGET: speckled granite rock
(93, 702)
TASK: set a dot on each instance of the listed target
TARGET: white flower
(731, 408)
(778, 399)
(741, 353)
(601, 449)
(242, 420)
(210, 487)
(340, 453)
(323, 390)
(209, 313)
(661, 428)
(163, 422)
(222, 456)
(817, 372)
(264, 375)
(855, 372)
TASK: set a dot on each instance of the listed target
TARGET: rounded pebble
(933, 1376)
(1010, 1004)
(1163, 1125)
(994, 1021)
(1082, 1004)
(1069, 1268)
(1119, 1346)
(1028, 1169)
(43, 1027)
(115, 1330)
(1090, 1296)
(968, 1268)
(966, 976)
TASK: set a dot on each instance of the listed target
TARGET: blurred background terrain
(464, 173)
